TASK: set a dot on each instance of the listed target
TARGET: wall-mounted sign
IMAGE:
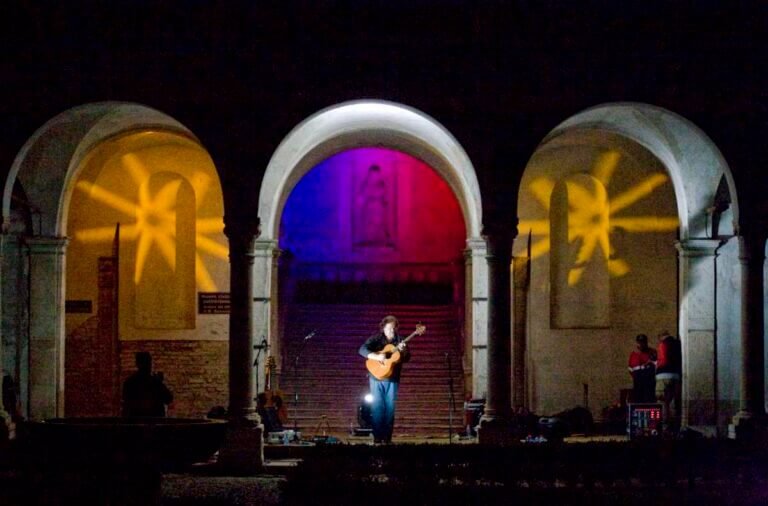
(78, 306)
(213, 302)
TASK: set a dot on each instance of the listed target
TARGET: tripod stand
(322, 425)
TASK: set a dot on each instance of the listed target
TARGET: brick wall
(91, 375)
(87, 384)
(195, 371)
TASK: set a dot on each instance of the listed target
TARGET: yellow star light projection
(155, 221)
(592, 214)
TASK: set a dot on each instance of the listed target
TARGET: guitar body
(383, 371)
(274, 396)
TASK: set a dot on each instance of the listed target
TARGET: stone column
(46, 326)
(243, 450)
(265, 301)
(495, 426)
(698, 332)
(751, 395)
(4, 417)
(2, 334)
(476, 315)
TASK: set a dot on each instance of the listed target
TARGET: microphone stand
(296, 379)
(451, 397)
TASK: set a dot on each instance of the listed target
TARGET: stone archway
(695, 168)
(382, 124)
(46, 167)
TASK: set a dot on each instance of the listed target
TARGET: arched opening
(612, 211)
(125, 241)
(402, 137)
(145, 227)
(365, 233)
(666, 269)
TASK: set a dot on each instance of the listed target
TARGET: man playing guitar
(386, 352)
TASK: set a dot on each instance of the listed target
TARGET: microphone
(263, 346)
(310, 335)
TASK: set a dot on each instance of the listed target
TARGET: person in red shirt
(642, 368)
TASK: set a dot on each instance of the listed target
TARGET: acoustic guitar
(383, 370)
(274, 396)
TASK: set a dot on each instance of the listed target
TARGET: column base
(496, 431)
(242, 453)
(746, 426)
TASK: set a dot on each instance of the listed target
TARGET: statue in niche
(373, 210)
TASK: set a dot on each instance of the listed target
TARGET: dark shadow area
(669, 472)
(116, 461)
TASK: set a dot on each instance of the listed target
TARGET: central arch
(374, 123)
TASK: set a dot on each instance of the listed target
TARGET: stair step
(331, 377)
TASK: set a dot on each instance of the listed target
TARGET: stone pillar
(265, 301)
(46, 326)
(495, 426)
(476, 316)
(2, 283)
(243, 449)
(751, 394)
(4, 417)
(698, 332)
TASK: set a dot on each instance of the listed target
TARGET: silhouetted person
(642, 367)
(144, 393)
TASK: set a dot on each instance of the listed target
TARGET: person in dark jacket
(144, 393)
(669, 372)
(642, 368)
(384, 391)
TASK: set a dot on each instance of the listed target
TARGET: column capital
(698, 247)
(498, 237)
(476, 243)
(475, 246)
(500, 229)
(50, 245)
(242, 235)
(269, 245)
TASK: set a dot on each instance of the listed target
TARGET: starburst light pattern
(592, 214)
(154, 229)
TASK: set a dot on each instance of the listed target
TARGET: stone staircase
(332, 379)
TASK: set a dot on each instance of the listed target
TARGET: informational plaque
(78, 306)
(213, 302)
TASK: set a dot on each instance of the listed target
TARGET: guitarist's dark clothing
(376, 343)
(384, 392)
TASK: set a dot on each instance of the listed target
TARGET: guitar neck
(414, 333)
